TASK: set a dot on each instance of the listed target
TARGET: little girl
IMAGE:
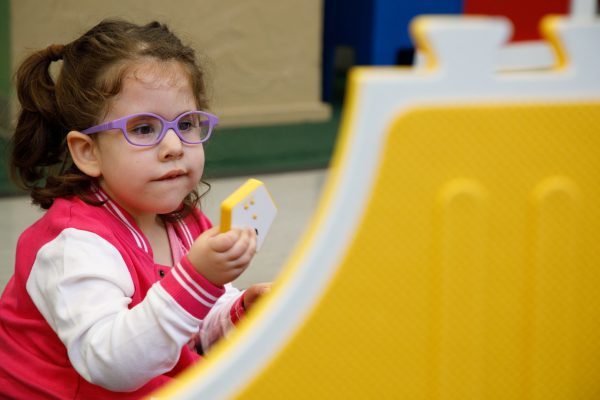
(123, 278)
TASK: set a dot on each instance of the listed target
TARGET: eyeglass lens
(146, 129)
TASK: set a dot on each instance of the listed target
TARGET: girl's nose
(171, 146)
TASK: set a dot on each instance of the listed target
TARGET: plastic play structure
(455, 251)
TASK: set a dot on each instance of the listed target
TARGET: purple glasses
(147, 129)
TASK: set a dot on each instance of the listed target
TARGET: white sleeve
(81, 285)
(217, 324)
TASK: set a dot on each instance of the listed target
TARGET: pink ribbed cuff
(190, 289)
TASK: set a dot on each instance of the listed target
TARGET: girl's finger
(240, 246)
(223, 242)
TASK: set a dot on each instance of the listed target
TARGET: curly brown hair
(92, 72)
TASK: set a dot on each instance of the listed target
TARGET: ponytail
(38, 142)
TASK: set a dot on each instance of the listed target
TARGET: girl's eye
(142, 130)
(185, 126)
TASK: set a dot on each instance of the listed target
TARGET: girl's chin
(167, 209)
(170, 210)
(158, 207)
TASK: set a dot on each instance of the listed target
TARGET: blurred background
(276, 74)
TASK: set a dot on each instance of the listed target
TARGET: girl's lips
(171, 175)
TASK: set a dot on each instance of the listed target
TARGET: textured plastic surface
(474, 271)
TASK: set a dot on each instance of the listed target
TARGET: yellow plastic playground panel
(455, 252)
(474, 271)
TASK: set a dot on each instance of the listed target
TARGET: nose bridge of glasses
(166, 126)
(170, 126)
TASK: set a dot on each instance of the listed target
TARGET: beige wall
(263, 56)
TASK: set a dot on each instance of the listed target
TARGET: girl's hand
(222, 257)
(254, 292)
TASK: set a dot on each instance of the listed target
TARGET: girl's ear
(84, 152)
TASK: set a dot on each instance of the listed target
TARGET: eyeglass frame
(121, 124)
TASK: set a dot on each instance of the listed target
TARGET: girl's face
(150, 180)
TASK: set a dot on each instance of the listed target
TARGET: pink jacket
(89, 315)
